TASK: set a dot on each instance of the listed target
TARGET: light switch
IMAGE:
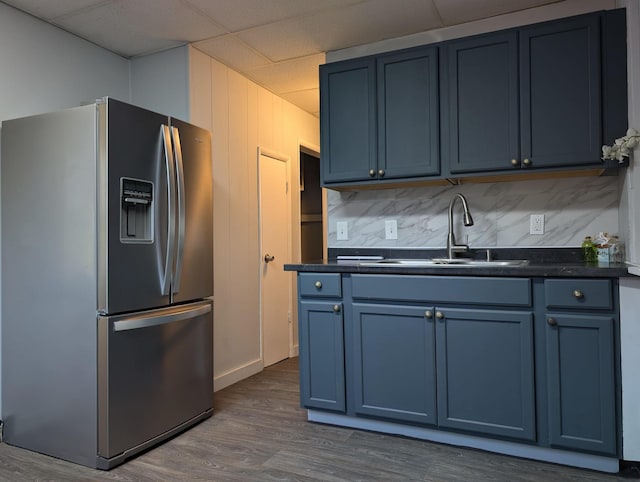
(341, 231)
(391, 229)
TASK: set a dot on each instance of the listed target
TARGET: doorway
(311, 208)
(275, 289)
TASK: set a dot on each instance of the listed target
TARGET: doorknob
(268, 258)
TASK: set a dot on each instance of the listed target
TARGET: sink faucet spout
(452, 247)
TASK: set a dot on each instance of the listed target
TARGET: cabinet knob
(552, 321)
(318, 284)
(428, 314)
(336, 308)
(381, 173)
(372, 172)
(578, 294)
(515, 163)
(439, 315)
(527, 162)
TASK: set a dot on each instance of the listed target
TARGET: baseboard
(294, 352)
(236, 374)
(563, 457)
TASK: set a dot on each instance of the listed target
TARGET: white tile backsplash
(573, 208)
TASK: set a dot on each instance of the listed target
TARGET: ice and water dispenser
(136, 211)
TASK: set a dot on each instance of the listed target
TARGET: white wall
(160, 82)
(45, 69)
(242, 116)
(630, 220)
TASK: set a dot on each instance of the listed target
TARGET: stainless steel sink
(446, 262)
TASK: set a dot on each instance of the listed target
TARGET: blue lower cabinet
(321, 331)
(394, 362)
(581, 382)
(463, 355)
(486, 372)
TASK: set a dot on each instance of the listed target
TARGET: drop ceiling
(276, 43)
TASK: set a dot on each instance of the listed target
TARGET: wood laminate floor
(260, 433)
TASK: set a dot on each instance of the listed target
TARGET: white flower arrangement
(622, 147)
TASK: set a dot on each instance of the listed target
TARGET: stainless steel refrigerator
(107, 259)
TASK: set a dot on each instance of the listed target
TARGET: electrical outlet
(391, 229)
(341, 231)
(536, 224)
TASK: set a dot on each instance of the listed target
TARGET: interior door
(136, 233)
(194, 258)
(274, 240)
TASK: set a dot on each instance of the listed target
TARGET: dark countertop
(543, 262)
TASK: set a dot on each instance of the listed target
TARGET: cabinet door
(581, 382)
(347, 121)
(560, 93)
(408, 114)
(485, 372)
(481, 131)
(394, 362)
(321, 355)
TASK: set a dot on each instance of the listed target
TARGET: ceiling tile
(50, 10)
(357, 24)
(291, 76)
(461, 11)
(307, 100)
(232, 52)
(144, 26)
(238, 15)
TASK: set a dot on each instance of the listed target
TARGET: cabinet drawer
(323, 285)
(579, 293)
(443, 289)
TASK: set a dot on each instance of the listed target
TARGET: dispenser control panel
(136, 212)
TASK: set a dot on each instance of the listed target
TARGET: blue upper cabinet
(379, 118)
(542, 97)
(408, 114)
(525, 99)
(560, 93)
(347, 120)
(482, 117)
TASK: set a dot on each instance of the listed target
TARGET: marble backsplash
(572, 208)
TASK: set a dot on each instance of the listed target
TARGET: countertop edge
(568, 270)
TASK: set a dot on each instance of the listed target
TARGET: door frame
(313, 150)
(261, 151)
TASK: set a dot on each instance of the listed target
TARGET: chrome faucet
(452, 247)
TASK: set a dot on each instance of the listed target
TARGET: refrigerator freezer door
(155, 375)
(134, 257)
(193, 277)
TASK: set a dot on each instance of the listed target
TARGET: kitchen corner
(441, 333)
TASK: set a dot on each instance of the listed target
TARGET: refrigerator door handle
(175, 135)
(171, 221)
(137, 322)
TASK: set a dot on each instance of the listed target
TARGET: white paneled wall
(242, 116)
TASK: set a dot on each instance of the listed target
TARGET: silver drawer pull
(336, 308)
(428, 314)
(318, 284)
(552, 321)
(578, 294)
(439, 315)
